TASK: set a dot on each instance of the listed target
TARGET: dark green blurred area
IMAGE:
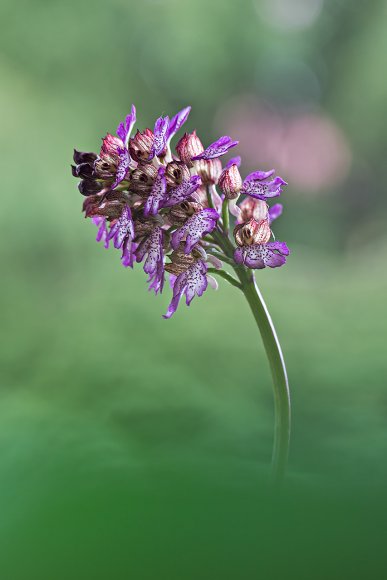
(134, 447)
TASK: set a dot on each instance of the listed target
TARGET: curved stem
(276, 361)
(278, 372)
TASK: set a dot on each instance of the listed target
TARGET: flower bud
(176, 172)
(180, 261)
(89, 187)
(189, 146)
(82, 157)
(141, 144)
(94, 206)
(209, 170)
(111, 146)
(253, 208)
(143, 178)
(252, 232)
(180, 213)
(230, 182)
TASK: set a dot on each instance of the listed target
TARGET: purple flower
(234, 161)
(102, 234)
(220, 147)
(183, 191)
(177, 122)
(191, 282)
(258, 185)
(152, 246)
(160, 136)
(128, 253)
(201, 223)
(123, 166)
(122, 233)
(124, 129)
(157, 194)
(274, 212)
(259, 256)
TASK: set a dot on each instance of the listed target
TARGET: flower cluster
(163, 209)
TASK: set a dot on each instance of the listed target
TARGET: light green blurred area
(134, 447)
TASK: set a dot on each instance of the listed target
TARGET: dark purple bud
(89, 187)
(80, 157)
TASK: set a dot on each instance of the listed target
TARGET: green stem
(276, 361)
(278, 372)
(225, 216)
(221, 256)
(226, 276)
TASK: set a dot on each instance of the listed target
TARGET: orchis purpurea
(162, 207)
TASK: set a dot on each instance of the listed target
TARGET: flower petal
(157, 194)
(259, 175)
(195, 228)
(123, 228)
(160, 136)
(275, 211)
(152, 247)
(258, 256)
(218, 148)
(128, 253)
(122, 168)
(177, 122)
(279, 246)
(102, 234)
(263, 189)
(196, 281)
(124, 130)
(183, 191)
(234, 161)
(179, 286)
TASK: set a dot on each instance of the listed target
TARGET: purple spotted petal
(193, 283)
(263, 189)
(124, 130)
(157, 195)
(128, 253)
(179, 286)
(160, 139)
(274, 260)
(201, 223)
(177, 122)
(279, 247)
(123, 228)
(259, 256)
(122, 168)
(275, 211)
(196, 281)
(234, 161)
(218, 148)
(152, 248)
(259, 175)
(239, 255)
(183, 191)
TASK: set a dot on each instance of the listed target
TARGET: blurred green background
(134, 447)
